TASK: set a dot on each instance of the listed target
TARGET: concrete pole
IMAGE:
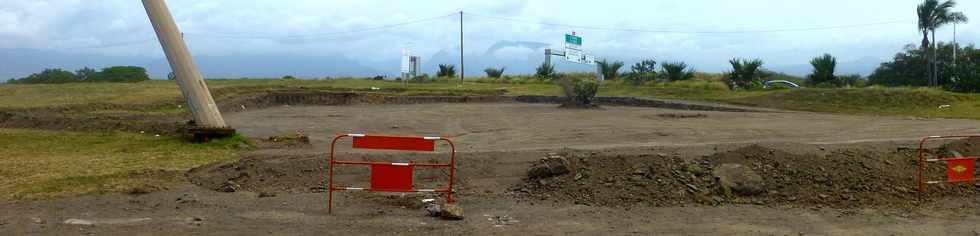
(547, 56)
(199, 100)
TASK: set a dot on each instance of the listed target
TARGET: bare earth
(498, 141)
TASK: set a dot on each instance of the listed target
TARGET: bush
(121, 74)
(579, 93)
(48, 76)
(86, 74)
(288, 77)
(967, 77)
(853, 80)
(494, 72)
(641, 72)
(545, 72)
(446, 70)
(909, 67)
(745, 74)
(676, 71)
(823, 70)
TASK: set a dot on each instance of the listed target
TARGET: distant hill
(17, 63)
(863, 66)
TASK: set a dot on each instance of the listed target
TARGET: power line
(111, 45)
(318, 35)
(802, 29)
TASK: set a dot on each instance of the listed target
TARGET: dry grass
(43, 164)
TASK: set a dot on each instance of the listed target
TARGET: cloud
(308, 27)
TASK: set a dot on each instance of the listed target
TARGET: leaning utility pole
(205, 112)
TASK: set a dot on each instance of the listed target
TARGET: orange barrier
(389, 176)
(958, 169)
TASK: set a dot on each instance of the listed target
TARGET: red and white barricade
(959, 169)
(392, 176)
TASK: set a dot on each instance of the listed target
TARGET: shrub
(545, 72)
(745, 74)
(967, 77)
(48, 76)
(121, 74)
(579, 93)
(288, 77)
(823, 70)
(642, 71)
(676, 71)
(446, 70)
(86, 74)
(494, 72)
(853, 80)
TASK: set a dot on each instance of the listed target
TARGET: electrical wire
(802, 29)
(111, 45)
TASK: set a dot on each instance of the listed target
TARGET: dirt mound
(848, 178)
(283, 174)
(305, 171)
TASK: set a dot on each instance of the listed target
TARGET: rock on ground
(451, 211)
(738, 179)
(553, 165)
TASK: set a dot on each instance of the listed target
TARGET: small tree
(745, 74)
(122, 74)
(86, 74)
(642, 71)
(579, 92)
(288, 77)
(494, 72)
(676, 71)
(545, 72)
(823, 70)
(610, 71)
(48, 76)
(446, 70)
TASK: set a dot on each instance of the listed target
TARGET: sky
(291, 29)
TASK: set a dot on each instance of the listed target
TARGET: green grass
(43, 164)
(919, 102)
(158, 97)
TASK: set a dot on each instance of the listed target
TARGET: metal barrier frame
(451, 165)
(922, 161)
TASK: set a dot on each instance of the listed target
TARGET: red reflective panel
(394, 143)
(386, 177)
(960, 170)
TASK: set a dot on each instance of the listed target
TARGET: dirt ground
(518, 126)
(635, 171)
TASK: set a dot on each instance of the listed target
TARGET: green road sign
(572, 39)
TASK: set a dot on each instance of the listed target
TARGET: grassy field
(44, 164)
(142, 96)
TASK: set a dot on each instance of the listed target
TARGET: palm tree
(823, 70)
(745, 74)
(610, 71)
(933, 15)
(495, 72)
(676, 71)
(446, 70)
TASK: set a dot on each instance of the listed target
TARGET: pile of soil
(847, 178)
(301, 173)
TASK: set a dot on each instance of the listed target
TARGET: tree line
(114, 74)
